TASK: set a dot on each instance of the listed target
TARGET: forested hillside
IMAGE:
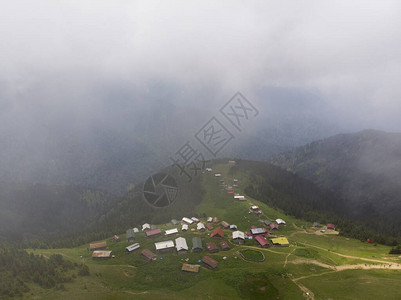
(364, 168)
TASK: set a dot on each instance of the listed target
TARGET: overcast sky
(55, 54)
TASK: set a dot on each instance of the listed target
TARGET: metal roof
(190, 268)
(181, 244)
(171, 231)
(258, 230)
(261, 240)
(280, 241)
(200, 226)
(145, 226)
(101, 254)
(196, 243)
(97, 245)
(238, 235)
(280, 221)
(187, 220)
(153, 232)
(133, 247)
(164, 245)
(185, 227)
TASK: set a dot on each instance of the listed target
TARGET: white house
(280, 222)
(184, 227)
(171, 231)
(200, 226)
(165, 246)
(187, 220)
(136, 230)
(181, 245)
(132, 247)
(238, 237)
(145, 226)
(196, 220)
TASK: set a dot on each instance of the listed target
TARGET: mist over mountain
(364, 168)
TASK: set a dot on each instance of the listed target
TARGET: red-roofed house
(331, 226)
(262, 241)
(218, 232)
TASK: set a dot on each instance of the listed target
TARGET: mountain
(47, 211)
(364, 168)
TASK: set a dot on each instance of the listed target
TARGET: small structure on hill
(210, 262)
(280, 222)
(98, 246)
(171, 232)
(262, 241)
(152, 233)
(273, 226)
(132, 248)
(316, 224)
(233, 227)
(197, 244)
(116, 238)
(224, 246)
(210, 219)
(145, 227)
(101, 254)
(130, 235)
(257, 231)
(184, 227)
(187, 221)
(331, 226)
(209, 226)
(136, 230)
(239, 237)
(217, 233)
(196, 220)
(200, 227)
(215, 220)
(225, 225)
(211, 247)
(181, 245)
(190, 268)
(280, 241)
(166, 246)
(148, 255)
(174, 222)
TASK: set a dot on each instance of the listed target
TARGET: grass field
(307, 266)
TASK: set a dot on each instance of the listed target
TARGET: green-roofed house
(197, 244)
(130, 235)
(267, 222)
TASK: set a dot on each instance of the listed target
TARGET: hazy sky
(60, 55)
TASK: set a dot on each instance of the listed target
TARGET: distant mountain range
(364, 168)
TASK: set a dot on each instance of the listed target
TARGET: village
(204, 236)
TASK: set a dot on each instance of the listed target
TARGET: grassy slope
(128, 275)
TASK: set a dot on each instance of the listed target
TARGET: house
(210, 219)
(233, 227)
(267, 222)
(132, 247)
(166, 246)
(254, 207)
(231, 162)
(136, 230)
(331, 226)
(238, 237)
(145, 227)
(116, 238)
(316, 224)
(210, 262)
(239, 197)
(281, 241)
(152, 233)
(256, 231)
(171, 231)
(209, 226)
(187, 221)
(184, 227)
(148, 255)
(200, 227)
(273, 226)
(280, 221)
(101, 254)
(130, 235)
(217, 174)
(190, 268)
(224, 246)
(217, 233)
(215, 220)
(211, 247)
(197, 244)
(181, 245)
(98, 246)
(196, 220)
(208, 169)
(225, 225)
(174, 222)
(262, 241)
